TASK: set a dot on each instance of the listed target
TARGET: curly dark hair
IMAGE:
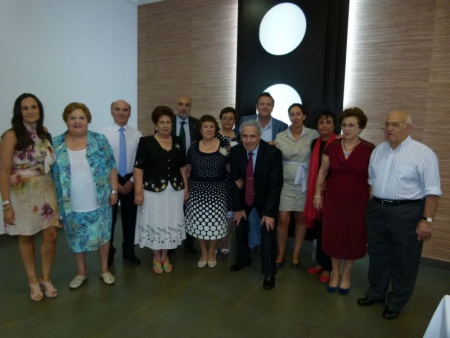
(209, 118)
(24, 140)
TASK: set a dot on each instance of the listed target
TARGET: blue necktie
(122, 153)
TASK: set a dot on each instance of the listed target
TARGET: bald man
(188, 128)
(404, 176)
(121, 111)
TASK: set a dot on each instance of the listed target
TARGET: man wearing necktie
(257, 170)
(124, 140)
(188, 128)
(270, 127)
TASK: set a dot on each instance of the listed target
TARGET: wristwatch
(114, 192)
(428, 219)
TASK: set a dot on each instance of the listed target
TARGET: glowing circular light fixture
(284, 96)
(282, 29)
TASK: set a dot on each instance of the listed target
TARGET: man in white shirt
(121, 111)
(404, 176)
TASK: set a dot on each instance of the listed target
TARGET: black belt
(394, 202)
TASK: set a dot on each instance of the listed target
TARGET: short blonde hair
(76, 105)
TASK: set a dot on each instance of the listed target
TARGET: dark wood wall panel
(402, 62)
(186, 47)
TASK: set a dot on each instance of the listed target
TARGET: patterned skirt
(160, 220)
(88, 231)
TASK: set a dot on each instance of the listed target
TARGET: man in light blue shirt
(404, 176)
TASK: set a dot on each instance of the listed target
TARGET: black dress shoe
(239, 266)
(133, 259)
(191, 250)
(367, 301)
(390, 313)
(269, 282)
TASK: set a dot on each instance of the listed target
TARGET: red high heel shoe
(315, 269)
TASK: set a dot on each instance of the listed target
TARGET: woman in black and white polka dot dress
(207, 203)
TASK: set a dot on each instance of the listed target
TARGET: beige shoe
(108, 278)
(77, 281)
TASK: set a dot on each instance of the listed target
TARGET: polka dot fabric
(207, 204)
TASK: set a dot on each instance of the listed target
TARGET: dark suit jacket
(277, 125)
(194, 128)
(268, 178)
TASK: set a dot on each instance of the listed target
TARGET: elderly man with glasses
(404, 176)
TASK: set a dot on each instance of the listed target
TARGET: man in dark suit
(257, 170)
(270, 127)
(188, 128)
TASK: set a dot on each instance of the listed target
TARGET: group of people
(192, 179)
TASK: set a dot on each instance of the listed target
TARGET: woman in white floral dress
(28, 193)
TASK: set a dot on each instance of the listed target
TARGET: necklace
(164, 139)
(348, 151)
(77, 144)
(227, 136)
(210, 144)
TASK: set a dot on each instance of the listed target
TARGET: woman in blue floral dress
(86, 184)
(28, 193)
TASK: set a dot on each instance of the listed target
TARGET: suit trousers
(128, 216)
(268, 252)
(394, 251)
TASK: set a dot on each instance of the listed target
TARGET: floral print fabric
(32, 192)
(85, 231)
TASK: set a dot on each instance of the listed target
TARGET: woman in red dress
(344, 165)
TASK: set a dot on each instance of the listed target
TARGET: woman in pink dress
(344, 165)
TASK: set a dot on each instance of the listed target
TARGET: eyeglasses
(394, 125)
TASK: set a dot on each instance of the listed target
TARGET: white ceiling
(143, 2)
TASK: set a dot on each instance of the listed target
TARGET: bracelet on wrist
(5, 202)
(114, 192)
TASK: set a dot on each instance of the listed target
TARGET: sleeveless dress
(32, 192)
(207, 204)
(344, 207)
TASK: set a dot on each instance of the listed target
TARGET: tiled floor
(192, 302)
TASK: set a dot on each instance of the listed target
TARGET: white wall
(68, 50)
